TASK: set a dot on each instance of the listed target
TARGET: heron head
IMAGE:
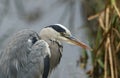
(61, 33)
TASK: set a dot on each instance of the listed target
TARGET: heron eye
(65, 34)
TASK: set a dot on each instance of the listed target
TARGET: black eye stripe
(57, 28)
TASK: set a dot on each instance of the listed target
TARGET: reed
(106, 48)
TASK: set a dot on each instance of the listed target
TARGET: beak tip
(87, 47)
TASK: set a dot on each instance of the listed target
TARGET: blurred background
(84, 18)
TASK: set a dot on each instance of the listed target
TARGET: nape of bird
(32, 55)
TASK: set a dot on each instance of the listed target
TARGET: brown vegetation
(106, 53)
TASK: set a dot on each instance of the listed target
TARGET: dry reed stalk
(100, 19)
(105, 63)
(110, 58)
(116, 8)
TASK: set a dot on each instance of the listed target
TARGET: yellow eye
(65, 34)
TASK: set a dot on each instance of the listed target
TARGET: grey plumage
(56, 50)
(24, 56)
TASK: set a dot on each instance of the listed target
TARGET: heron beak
(75, 41)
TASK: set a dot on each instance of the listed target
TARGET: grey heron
(32, 55)
(54, 35)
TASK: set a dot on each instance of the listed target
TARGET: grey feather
(56, 50)
(22, 59)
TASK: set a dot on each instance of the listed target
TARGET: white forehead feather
(68, 31)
